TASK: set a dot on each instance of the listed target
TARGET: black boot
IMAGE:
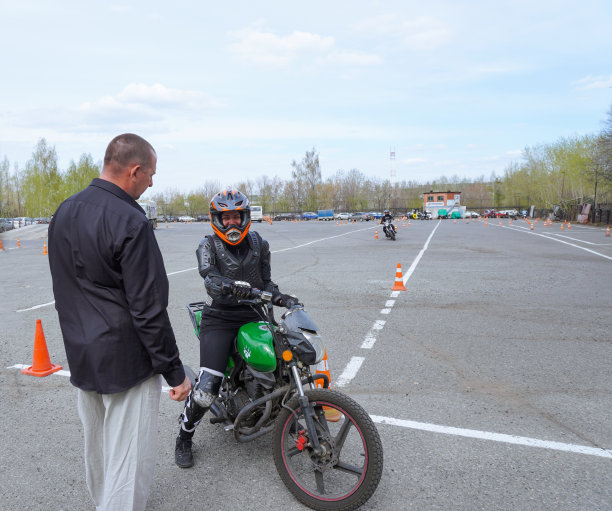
(200, 398)
(183, 456)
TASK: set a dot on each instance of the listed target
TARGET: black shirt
(111, 292)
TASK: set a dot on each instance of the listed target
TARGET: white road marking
(61, 372)
(195, 267)
(349, 371)
(419, 255)
(446, 430)
(319, 240)
(182, 271)
(550, 237)
(370, 338)
(496, 437)
(36, 307)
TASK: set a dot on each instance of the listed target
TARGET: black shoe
(183, 456)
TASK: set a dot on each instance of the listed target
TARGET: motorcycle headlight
(317, 343)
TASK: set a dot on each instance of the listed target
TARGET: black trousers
(218, 331)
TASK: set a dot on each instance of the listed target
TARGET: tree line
(571, 170)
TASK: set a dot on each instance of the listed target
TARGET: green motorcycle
(326, 448)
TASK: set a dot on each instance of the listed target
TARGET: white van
(256, 214)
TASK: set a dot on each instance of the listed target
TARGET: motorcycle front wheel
(347, 470)
(392, 234)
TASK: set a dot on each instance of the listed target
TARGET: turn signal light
(287, 355)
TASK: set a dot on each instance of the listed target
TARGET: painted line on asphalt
(370, 339)
(496, 437)
(449, 430)
(550, 237)
(195, 267)
(36, 307)
(420, 254)
(349, 371)
(319, 240)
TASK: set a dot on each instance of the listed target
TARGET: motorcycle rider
(233, 259)
(385, 217)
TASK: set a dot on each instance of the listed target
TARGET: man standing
(111, 295)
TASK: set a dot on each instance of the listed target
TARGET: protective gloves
(241, 289)
(284, 300)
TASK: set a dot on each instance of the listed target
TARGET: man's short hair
(127, 149)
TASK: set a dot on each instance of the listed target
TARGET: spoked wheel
(392, 234)
(345, 472)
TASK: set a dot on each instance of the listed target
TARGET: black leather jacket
(386, 217)
(220, 263)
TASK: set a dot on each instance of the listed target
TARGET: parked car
(471, 214)
(360, 217)
(21, 221)
(509, 213)
(171, 218)
(203, 218)
(376, 214)
(186, 218)
(489, 213)
(342, 216)
(309, 215)
(285, 216)
(6, 224)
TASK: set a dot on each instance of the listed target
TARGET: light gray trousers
(120, 444)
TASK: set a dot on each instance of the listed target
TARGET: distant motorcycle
(389, 229)
(424, 215)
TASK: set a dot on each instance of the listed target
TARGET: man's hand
(241, 289)
(181, 392)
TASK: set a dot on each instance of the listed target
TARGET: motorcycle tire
(392, 234)
(348, 473)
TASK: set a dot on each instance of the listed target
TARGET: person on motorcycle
(231, 261)
(384, 218)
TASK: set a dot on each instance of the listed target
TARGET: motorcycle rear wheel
(348, 474)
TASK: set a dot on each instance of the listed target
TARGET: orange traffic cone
(331, 414)
(44, 252)
(569, 225)
(41, 365)
(375, 235)
(166, 225)
(561, 226)
(18, 243)
(532, 226)
(1, 245)
(608, 231)
(399, 280)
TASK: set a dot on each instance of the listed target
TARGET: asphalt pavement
(489, 378)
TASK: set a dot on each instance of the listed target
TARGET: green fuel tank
(255, 345)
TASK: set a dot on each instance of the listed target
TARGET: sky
(230, 91)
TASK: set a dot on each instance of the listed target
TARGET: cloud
(139, 96)
(411, 161)
(137, 105)
(270, 49)
(420, 33)
(351, 58)
(593, 82)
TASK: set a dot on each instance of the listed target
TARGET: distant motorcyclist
(387, 217)
(231, 261)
